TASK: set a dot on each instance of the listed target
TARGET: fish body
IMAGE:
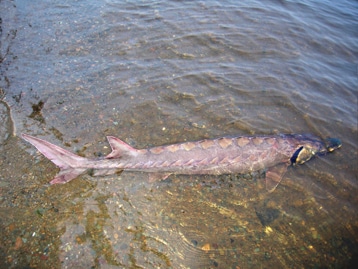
(225, 155)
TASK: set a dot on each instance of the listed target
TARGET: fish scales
(209, 154)
(223, 155)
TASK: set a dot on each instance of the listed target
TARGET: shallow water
(159, 72)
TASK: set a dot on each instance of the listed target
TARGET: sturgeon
(226, 155)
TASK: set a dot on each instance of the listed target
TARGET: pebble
(11, 227)
(314, 233)
(206, 247)
(18, 243)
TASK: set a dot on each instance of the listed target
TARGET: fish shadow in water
(267, 215)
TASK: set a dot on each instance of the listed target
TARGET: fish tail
(71, 165)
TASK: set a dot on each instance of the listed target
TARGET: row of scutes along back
(223, 143)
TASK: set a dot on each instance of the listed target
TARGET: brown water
(159, 72)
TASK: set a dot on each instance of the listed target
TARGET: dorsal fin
(119, 148)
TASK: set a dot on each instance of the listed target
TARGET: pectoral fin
(274, 175)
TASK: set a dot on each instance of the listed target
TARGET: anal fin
(105, 172)
(66, 175)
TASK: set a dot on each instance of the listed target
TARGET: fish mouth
(333, 144)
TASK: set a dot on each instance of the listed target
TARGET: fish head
(308, 146)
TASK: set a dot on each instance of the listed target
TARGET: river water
(160, 72)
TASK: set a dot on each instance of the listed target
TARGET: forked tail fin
(70, 164)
